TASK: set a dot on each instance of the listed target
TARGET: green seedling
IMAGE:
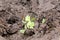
(29, 23)
(43, 20)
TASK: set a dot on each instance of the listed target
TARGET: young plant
(28, 22)
(43, 20)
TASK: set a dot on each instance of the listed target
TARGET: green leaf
(22, 31)
(43, 21)
(30, 25)
(27, 18)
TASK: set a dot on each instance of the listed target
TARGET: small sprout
(29, 24)
(22, 31)
(43, 20)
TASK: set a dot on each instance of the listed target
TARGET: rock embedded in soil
(12, 20)
(13, 28)
(29, 32)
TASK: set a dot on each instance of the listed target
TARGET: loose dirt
(13, 11)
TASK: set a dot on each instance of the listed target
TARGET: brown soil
(13, 11)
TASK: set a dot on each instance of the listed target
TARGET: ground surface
(13, 11)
